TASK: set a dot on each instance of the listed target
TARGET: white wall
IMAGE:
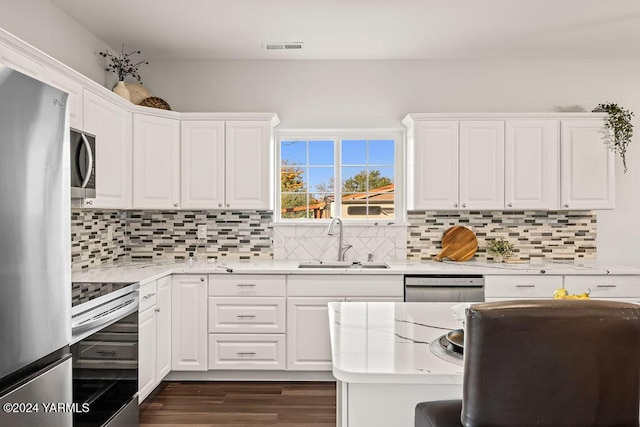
(46, 27)
(379, 93)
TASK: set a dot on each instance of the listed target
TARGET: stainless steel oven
(83, 165)
(104, 349)
(443, 288)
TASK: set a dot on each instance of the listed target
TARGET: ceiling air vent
(283, 46)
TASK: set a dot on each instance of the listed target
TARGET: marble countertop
(385, 342)
(144, 271)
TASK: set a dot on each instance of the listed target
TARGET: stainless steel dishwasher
(443, 288)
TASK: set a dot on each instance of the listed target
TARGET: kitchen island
(383, 362)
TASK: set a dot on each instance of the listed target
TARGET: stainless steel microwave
(83, 165)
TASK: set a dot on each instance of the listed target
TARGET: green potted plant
(500, 249)
(620, 129)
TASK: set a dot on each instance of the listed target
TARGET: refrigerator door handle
(87, 174)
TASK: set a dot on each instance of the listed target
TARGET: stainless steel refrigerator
(35, 261)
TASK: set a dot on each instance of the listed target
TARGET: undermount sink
(342, 264)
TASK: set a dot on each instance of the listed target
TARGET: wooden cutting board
(458, 244)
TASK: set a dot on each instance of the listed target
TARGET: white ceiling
(366, 29)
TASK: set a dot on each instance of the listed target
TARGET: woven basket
(155, 102)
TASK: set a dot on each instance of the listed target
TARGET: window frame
(337, 135)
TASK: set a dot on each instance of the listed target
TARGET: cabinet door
(163, 365)
(531, 164)
(189, 323)
(202, 159)
(21, 63)
(308, 340)
(249, 162)
(74, 101)
(156, 161)
(112, 127)
(146, 353)
(435, 166)
(587, 166)
(482, 165)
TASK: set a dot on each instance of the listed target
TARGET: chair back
(555, 363)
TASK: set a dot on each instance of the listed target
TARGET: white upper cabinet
(156, 161)
(531, 164)
(435, 164)
(74, 101)
(587, 166)
(21, 63)
(481, 165)
(202, 160)
(112, 127)
(249, 160)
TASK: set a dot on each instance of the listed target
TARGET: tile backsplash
(153, 235)
(556, 235)
(308, 242)
(169, 235)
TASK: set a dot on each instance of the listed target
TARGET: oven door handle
(97, 324)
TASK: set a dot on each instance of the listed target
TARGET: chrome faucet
(342, 248)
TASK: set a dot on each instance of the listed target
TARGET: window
(364, 165)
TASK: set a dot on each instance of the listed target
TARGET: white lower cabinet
(163, 336)
(147, 343)
(189, 323)
(247, 351)
(518, 287)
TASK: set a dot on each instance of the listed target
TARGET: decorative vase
(498, 258)
(122, 91)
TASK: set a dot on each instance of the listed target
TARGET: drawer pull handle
(246, 353)
(605, 286)
(246, 285)
(246, 316)
(147, 296)
(525, 286)
(107, 352)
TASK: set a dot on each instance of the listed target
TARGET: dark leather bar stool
(546, 363)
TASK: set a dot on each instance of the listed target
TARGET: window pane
(321, 205)
(321, 179)
(354, 179)
(293, 152)
(381, 205)
(379, 177)
(294, 205)
(354, 152)
(293, 179)
(321, 153)
(353, 205)
(381, 152)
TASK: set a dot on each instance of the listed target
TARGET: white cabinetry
(308, 340)
(21, 63)
(156, 159)
(531, 164)
(154, 354)
(481, 164)
(227, 165)
(202, 158)
(498, 288)
(189, 323)
(112, 127)
(247, 322)
(587, 166)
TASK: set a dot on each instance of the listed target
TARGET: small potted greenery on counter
(500, 249)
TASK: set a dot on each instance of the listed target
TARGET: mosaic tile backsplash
(173, 234)
(555, 235)
(90, 243)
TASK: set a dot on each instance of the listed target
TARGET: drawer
(148, 295)
(247, 285)
(604, 286)
(521, 286)
(246, 351)
(241, 314)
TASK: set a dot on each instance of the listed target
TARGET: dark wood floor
(241, 404)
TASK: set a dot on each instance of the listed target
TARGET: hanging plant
(618, 123)
(122, 65)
